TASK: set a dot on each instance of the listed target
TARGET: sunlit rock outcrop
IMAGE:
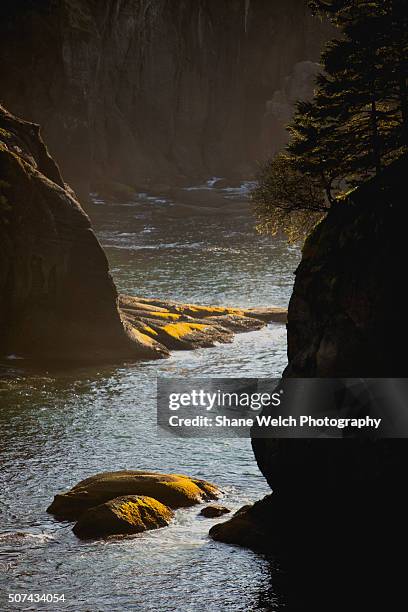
(128, 502)
(180, 326)
(173, 490)
(126, 515)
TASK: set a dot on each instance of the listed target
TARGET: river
(62, 425)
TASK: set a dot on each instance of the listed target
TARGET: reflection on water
(60, 425)
(204, 249)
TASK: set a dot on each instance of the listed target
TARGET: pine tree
(360, 108)
(357, 122)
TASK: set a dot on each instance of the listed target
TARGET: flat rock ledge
(163, 326)
(126, 502)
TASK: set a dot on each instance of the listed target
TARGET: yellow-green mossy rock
(176, 326)
(174, 490)
(124, 515)
(192, 335)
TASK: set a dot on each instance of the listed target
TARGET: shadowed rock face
(299, 85)
(129, 90)
(344, 316)
(347, 318)
(57, 298)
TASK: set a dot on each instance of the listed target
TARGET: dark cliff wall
(338, 508)
(347, 318)
(340, 499)
(57, 298)
(130, 90)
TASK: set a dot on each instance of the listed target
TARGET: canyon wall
(135, 91)
(345, 315)
(338, 507)
(347, 319)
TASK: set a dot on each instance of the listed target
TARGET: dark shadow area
(340, 556)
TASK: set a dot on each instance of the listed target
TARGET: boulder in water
(247, 527)
(129, 514)
(214, 510)
(173, 490)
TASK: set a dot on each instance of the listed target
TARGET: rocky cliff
(133, 91)
(347, 318)
(57, 298)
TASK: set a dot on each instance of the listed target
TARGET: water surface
(62, 425)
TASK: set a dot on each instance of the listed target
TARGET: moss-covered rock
(125, 515)
(269, 314)
(173, 490)
(179, 326)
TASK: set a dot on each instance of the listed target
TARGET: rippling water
(59, 426)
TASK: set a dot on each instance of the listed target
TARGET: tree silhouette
(357, 122)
